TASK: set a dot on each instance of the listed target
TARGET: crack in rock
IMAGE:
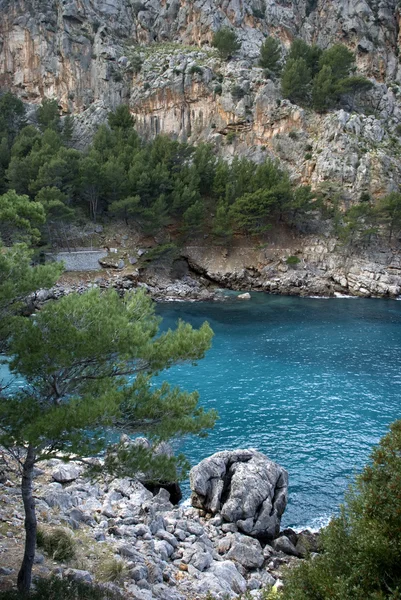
(245, 487)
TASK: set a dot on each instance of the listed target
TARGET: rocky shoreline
(307, 265)
(162, 551)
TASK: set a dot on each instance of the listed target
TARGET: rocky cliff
(155, 55)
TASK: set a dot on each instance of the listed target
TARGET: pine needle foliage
(87, 363)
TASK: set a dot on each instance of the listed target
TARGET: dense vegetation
(63, 589)
(150, 183)
(361, 555)
(86, 363)
(162, 183)
(311, 77)
(320, 78)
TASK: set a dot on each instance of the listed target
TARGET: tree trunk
(25, 573)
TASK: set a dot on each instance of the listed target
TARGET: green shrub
(117, 76)
(310, 6)
(237, 92)
(226, 42)
(258, 13)
(137, 7)
(270, 55)
(136, 63)
(218, 89)
(57, 543)
(365, 197)
(292, 261)
(163, 251)
(112, 570)
(308, 156)
(196, 69)
(293, 135)
(230, 137)
(62, 589)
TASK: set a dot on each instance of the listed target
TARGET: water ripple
(312, 384)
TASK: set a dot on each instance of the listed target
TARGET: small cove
(312, 383)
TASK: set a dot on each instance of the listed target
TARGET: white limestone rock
(245, 487)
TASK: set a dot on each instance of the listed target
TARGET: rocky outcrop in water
(245, 488)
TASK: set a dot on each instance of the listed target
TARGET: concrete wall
(79, 260)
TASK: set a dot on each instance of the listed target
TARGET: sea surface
(312, 383)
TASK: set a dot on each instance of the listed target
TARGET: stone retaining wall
(79, 260)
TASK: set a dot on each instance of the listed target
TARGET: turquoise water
(312, 383)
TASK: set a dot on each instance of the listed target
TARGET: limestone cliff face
(87, 53)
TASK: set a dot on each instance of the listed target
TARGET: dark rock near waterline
(283, 544)
(172, 488)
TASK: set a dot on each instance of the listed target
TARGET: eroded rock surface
(246, 488)
(156, 57)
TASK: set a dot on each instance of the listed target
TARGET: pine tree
(324, 89)
(270, 55)
(68, 129)
(361, 548)
(389, 211)
(87, 362)
(222, 226)
(311, 54)
(48, 115)
(339, 59)
(126, 208)
(20, 218)
(194, 218)
(226, 42)
(296, 80)
(18, 277)
(121, 118)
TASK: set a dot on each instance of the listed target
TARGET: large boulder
(66, 472)
(245, 487)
